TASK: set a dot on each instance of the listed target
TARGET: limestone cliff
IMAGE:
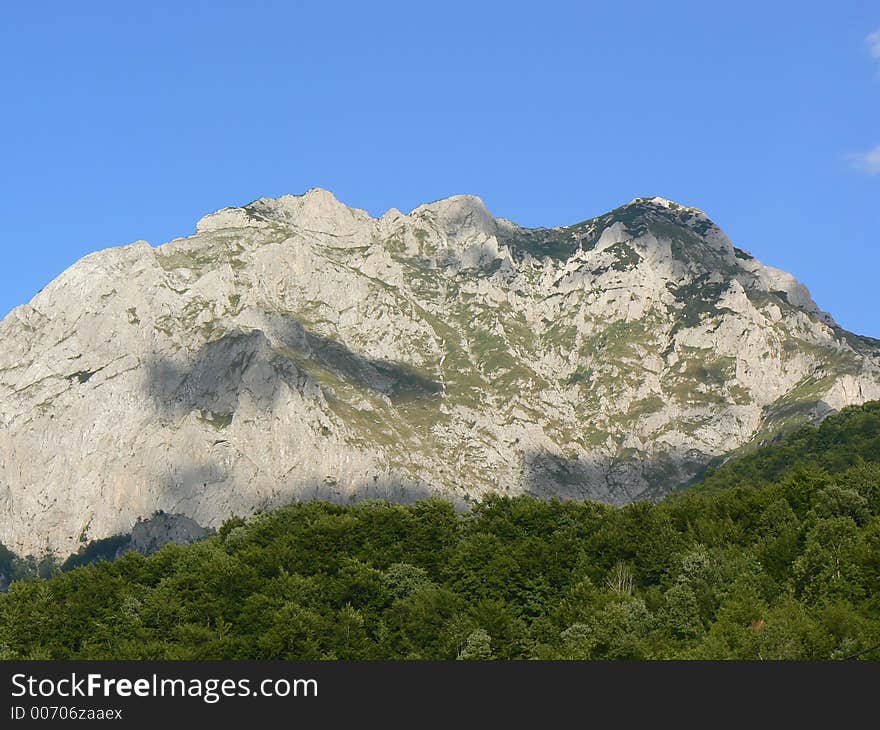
(297, 348)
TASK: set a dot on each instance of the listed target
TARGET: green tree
(477, 647)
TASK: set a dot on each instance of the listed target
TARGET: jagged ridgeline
(296, 348)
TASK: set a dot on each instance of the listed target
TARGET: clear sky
(121, 121)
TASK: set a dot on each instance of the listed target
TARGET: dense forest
(775, 555)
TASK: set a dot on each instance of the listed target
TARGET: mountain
(297, 348)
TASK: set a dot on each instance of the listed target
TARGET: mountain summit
(295, 348)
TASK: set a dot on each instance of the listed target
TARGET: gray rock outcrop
(297, 348)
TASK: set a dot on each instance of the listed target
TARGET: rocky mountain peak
(295, 347)
(317, 209)
(660, 202)
(457, 211)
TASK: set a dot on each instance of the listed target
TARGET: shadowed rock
(214, 379)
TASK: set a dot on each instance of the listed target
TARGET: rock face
(297, 348)
(148, 536)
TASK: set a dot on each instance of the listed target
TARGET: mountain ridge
(295, 347)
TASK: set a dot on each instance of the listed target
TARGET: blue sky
(123, 121)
